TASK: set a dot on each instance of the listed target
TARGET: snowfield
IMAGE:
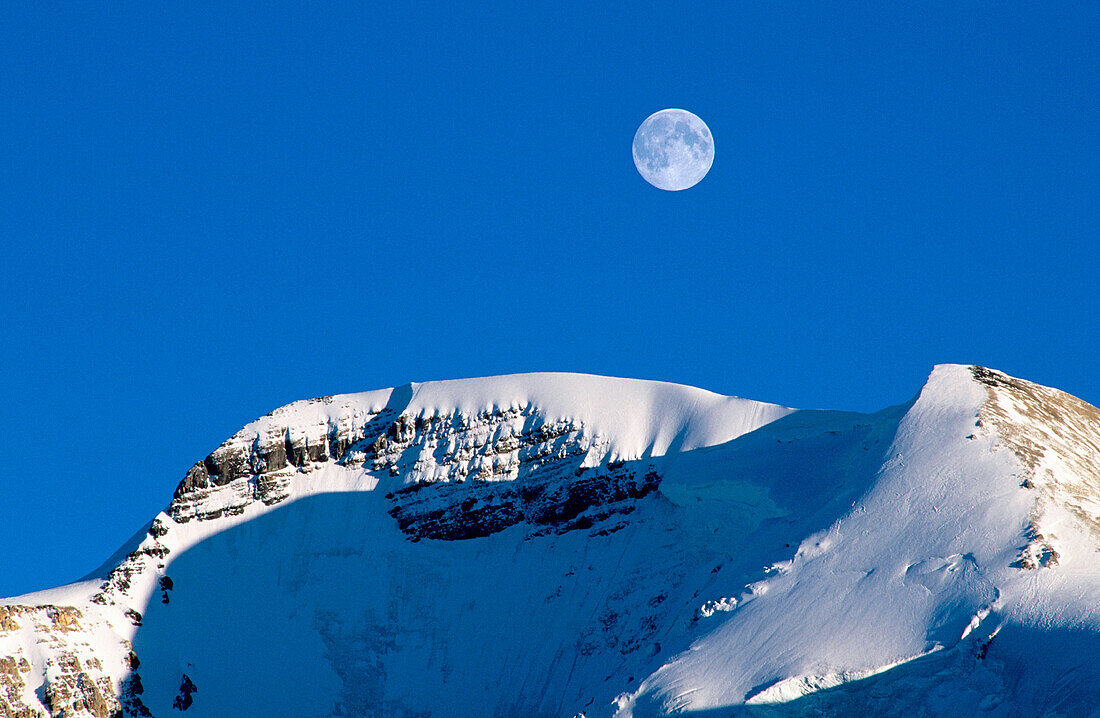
(564, 545)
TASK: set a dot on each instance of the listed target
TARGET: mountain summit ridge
(612, 546)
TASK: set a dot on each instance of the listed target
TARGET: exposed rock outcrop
(493, 445)
(1056, 437)
(550, 503)
(74, 681)
(185, 699)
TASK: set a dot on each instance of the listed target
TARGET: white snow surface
(901, 575)
(638, 417)
(789, 563)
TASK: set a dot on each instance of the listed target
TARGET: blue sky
(208, 212)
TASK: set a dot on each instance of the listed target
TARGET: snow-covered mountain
(559, 545)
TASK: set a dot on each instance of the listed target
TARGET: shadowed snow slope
(556, 544)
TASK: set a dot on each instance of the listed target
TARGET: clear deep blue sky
(207, 213)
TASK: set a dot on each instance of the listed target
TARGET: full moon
(673, 150)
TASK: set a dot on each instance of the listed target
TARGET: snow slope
(556, 545)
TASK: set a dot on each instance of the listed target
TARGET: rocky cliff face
(465, 476)
(554, 502)
(599, 528)
(259, 464)
(1056, 438)
(70, 681)
(451, 465)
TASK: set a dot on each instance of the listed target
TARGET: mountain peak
(608, 546)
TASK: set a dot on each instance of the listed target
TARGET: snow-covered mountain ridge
(498, 429)
(555, 544)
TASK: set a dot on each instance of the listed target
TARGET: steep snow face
(933, 558)
(557, 545)
(902, 574)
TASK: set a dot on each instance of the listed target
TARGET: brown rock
(7, 619)
(90, 698)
